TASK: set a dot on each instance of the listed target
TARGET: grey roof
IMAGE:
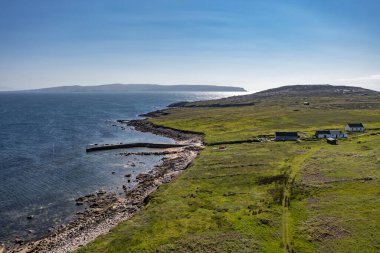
(287, 134)
(322, 132)
(355, 124)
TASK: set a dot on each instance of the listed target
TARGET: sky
(254, 44)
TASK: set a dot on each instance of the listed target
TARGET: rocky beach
(103, 210)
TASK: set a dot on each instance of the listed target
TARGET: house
(335, 134)
(322, 134)
(355, 127)
(285, 136)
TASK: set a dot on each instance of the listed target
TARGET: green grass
(341, 213)
(232, 200)
(232, 124)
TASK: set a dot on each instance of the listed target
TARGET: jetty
(98, 147)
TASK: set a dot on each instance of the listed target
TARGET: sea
(44, 166)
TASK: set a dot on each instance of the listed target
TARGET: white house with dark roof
(335, 134)
(355, 127)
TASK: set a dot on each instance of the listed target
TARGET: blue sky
(251, 43)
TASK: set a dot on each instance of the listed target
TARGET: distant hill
(315, 90)
(303, 91)
(141, 88)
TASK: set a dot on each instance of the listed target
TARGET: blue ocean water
(43, 163)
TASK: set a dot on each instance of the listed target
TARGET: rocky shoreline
(104, 210)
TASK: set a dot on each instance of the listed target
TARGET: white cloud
(370, 81)
(362, 78)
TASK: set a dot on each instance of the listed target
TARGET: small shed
(286, 136)
(332, 141)
(355, 127)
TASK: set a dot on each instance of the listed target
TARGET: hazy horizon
(237, 86)
(251, 44)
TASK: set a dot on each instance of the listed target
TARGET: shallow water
(43, 163)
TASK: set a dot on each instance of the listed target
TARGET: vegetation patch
(320, 229)
(212, 243)
(279, 179)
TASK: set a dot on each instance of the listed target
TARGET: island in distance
(141, 88)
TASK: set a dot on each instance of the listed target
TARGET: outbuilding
(355, 127)
(332, 141)
(335, 134)
(285, 136)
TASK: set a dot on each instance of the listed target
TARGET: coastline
(105, 210)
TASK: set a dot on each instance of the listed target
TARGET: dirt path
(296, 165)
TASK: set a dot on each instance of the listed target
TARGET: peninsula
(140, 88)
(247, 193)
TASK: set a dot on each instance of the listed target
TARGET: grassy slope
(232, 200)
(241, 123)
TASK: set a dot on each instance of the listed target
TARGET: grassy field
(336, 199)
(304, 196)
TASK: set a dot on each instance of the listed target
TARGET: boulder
(2, 248)
(18, 240)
